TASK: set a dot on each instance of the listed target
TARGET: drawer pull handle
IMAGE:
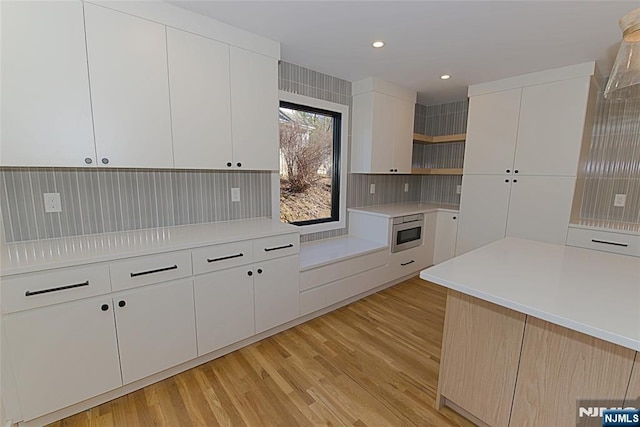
(290, 245)
(159, 270)
(624, 245)
(60, 288)
(407, 263)
(225, 257)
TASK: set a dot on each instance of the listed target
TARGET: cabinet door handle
(259, 271)
(249, 273)
(277, 248)
(105, 161)
(59, 288)
(88, 160)
(515, 171)
(159, 270)
(225, 257)
(239, 164)
(229, 164)
(508, 170)
(122, 303)
(515, 180)
(455, 217)
(506, 180)
(604, 242)
(104, 307)
(407, 263)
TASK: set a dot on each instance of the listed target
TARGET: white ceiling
(474, 41)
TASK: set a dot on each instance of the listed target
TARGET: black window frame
(336, 157)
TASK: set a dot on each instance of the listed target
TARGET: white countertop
(596, 293)
(401, 209)
(38, 255)
(323, 252)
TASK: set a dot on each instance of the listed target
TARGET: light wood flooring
(372, 363)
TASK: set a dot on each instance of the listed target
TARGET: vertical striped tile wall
(109, 200)
(613, 166)
(441, 119)
(304, 81)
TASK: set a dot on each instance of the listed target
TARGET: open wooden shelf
(439, 171)
(427, 139)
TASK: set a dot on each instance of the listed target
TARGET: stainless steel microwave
(407, 232)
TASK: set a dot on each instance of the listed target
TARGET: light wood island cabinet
(633, 391)
(480, 353)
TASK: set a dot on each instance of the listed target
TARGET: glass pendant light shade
(624, 81)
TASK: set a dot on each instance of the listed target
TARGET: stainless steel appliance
(407, 232)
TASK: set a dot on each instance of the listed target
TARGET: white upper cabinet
(254, 110)
(129, 89)
(492, 129)
(46, 110)
(382, 137)
(551, 127)
(200, 101)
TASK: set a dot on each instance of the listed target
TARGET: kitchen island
(531, 328)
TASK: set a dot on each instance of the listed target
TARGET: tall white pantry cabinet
(526, 137)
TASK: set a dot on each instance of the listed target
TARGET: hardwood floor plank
(372, 363)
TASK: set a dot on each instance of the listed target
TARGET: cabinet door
(480, 353)
(633, 393)
(483, 211)
(492, 130)
(540, 208)
(403, 141)
(200, 101)
(62, 354)
(558, 367)
(277, 291)
(552, 120)
(46, 112)
(145, 319)
(254, 110)
(383, 133)
(445, 239)
(129, 89)
(224, 308)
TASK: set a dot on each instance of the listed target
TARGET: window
(312, 165)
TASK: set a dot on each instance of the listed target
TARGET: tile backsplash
(110, 200)
(613, 166)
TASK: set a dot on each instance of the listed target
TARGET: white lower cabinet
(445, 236)
(483, 211)
(224, 308)
(277, 292)
(63, 354)
(156, 328)
(526, 207)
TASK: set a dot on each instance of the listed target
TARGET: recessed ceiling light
(378, 43)
(445, 77)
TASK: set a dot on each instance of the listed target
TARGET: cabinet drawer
(276, 246)
(145, 270)
(311, 278)
(607, 241)
(219, 257)
(52, 287)
(351, 286)
(407, 262)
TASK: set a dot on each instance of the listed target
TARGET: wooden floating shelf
(442, 171)
(427, 139)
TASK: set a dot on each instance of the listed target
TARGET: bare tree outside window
(307, 156)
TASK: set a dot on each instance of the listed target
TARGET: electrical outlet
(406, 187)
(372, 189)
(52, 202)
(458, 189)
(235, 194)
(620, 200)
